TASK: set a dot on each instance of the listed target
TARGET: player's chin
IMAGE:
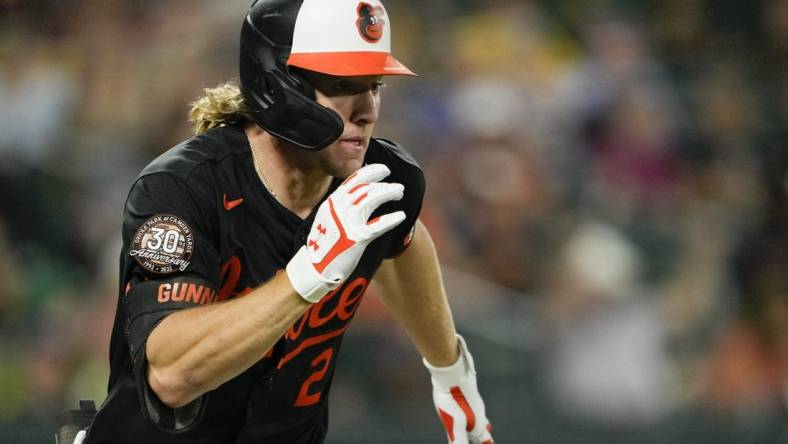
(347, 167)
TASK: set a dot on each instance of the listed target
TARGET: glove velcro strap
(306, 281)
(444, 378)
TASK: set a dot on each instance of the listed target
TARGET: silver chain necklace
(259, 170)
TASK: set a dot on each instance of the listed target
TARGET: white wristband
(447, 377)
(306, 281)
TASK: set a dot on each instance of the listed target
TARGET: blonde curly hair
(220, 106)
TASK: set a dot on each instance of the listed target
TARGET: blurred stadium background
(606, 186)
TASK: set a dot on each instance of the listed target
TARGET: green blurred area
(606, 188)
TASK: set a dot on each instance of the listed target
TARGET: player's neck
(296, 183)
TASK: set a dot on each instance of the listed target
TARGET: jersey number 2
(304, 397)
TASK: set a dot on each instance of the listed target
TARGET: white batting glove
(342, 230)
(457, 399)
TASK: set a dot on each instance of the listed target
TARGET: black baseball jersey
(200, 228)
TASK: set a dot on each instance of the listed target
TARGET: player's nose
(365, 108)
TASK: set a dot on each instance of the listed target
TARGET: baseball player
(247, 248)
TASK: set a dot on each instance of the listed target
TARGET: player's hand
(457, 399)
(342, 230)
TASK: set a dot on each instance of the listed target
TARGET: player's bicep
(171, 261)
(148, 302)
(411, 273)
(171, 264)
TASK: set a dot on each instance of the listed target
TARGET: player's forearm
(196, 350)
(412, 289)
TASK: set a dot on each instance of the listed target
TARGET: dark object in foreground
(71, 422)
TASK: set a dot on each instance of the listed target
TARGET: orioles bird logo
(370, 22)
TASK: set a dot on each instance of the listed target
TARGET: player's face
(357, 101)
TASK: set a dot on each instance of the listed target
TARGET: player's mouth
(352, 143)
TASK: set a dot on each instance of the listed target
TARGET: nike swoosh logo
(230, 204)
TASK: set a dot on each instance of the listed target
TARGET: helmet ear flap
(292, 116)
(279, 99)
(301, 83)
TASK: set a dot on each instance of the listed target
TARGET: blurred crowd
(619, 165)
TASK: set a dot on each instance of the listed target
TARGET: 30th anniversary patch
(163, 244)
